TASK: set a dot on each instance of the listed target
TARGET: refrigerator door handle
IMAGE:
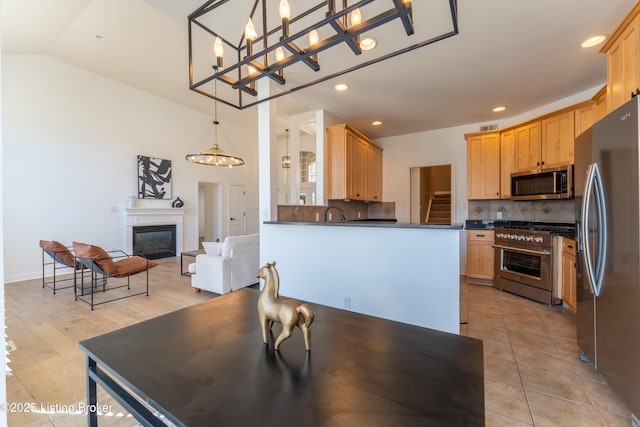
(586, 252)
(602, 229)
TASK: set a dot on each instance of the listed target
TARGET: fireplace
(155, 241)
(147, 217)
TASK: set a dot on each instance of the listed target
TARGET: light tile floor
(533, 375)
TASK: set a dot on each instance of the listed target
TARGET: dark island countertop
(373, 224)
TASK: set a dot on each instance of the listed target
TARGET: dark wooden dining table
(206, 365)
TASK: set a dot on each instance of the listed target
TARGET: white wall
(71, 139)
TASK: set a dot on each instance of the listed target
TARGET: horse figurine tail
(307, 313)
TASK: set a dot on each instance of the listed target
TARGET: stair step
(440, 208)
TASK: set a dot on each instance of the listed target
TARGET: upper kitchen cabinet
(353, 165)
(600, 98)
(623, 60)
(527, 140)
(557, 140)
(483, 165)
(546, 143)
(585, 116)
(374, 173)
(507, 157)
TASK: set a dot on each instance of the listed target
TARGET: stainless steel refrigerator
(608, 260)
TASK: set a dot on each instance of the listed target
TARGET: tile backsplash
(352, 210)
(539, 210)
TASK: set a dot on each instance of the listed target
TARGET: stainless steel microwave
(552, 183)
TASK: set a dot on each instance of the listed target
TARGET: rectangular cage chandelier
(238, 42)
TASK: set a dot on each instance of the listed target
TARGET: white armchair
(228, 266)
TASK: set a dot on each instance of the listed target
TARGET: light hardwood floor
(48, 367)
(532, 373)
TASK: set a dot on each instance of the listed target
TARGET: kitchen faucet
(334, 207)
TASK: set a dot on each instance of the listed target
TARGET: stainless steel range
(523, 263)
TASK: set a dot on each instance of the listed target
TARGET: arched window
(308, 167)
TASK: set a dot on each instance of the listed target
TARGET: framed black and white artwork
(154, 178)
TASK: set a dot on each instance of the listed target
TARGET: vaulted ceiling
(521, 54)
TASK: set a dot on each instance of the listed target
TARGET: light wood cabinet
(483, 165)
(480, 254)
(374, 169)
(585, 116)
(353, 166)
(600, 98)
(546, 143)
(568, 276)
(528, 151)
(623, 60)
(558, 140)
(507, 154)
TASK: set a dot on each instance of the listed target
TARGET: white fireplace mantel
(140, 217)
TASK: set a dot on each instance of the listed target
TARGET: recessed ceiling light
(341, 87)
(499, 109)
(593, 41)
(368, 43)
(376, 123)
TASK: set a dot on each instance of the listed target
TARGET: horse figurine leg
(287, 330)
(304, 323)
(265, 324)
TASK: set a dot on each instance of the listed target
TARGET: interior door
(237, 216)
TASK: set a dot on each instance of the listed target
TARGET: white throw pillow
(212, 248)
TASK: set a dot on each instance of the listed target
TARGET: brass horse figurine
(290, 313)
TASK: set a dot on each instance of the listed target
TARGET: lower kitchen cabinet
(568, 272)
(480, 256)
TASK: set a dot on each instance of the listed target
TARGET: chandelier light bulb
(279, 54)
(285, 10)
(252, 70)
(313, 38)
(250, 31)
(217, 48)
(356, 17)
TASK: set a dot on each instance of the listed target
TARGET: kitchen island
(404, 272)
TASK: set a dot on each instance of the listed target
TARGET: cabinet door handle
(570, 247)
(480, 235)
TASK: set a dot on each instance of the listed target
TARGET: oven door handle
(527, 251)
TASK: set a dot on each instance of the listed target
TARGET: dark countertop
(206, 365)
(566, 229)
(381, 224)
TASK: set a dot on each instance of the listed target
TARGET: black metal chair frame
(59, 264)
(96, 272)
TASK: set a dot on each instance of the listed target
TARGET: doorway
(431, 195)
(210, 214)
